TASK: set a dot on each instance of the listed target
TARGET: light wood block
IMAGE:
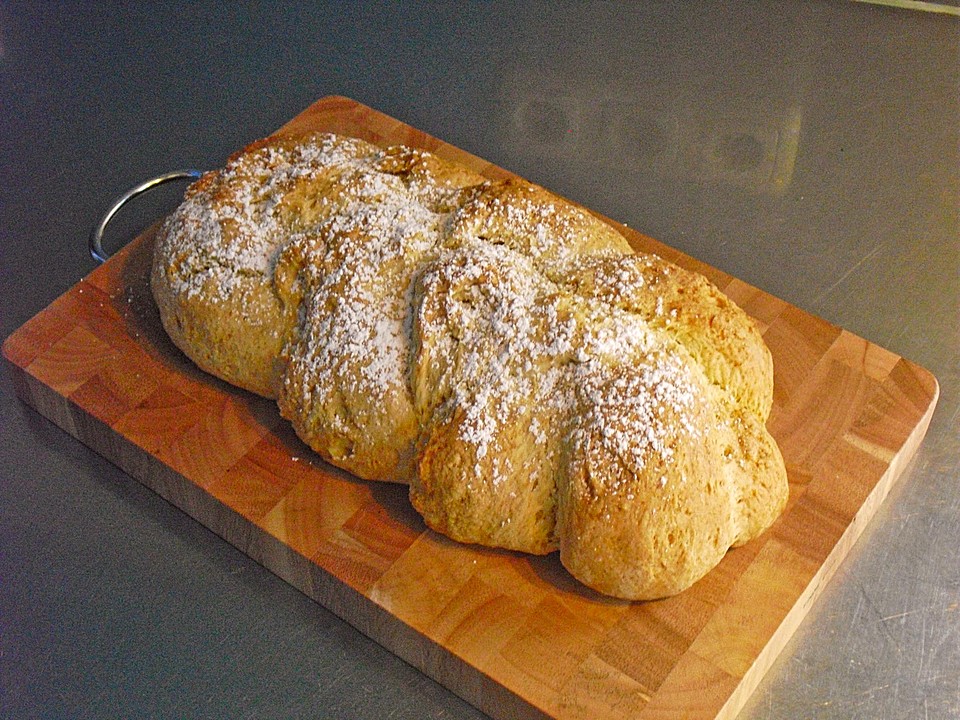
(512, 634)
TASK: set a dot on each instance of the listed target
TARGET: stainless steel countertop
(809, 148)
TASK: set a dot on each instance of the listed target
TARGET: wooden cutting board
(512, 634)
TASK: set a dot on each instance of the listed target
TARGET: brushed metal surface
(811, 149)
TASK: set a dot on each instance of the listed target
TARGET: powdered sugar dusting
(516, 343)
(501, 350)
(483, 335)
(519, 341)
(355, 333)
(229, 225)
(640, 412)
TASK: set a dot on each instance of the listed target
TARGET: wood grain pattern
(512, 634)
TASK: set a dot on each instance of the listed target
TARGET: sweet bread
(537, 384)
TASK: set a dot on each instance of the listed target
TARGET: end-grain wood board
(510, 633)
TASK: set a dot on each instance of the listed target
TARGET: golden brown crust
(213, 274)
(537, 384)
(689, 308)
(486, 472)
(643, 518)
(534, 223)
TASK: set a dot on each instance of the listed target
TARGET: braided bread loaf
(537, 384)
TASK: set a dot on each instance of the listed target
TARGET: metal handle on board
(96, 235)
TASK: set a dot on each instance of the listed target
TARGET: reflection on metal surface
(550, 122)
(753, 149)
(640, 134)
(750, 151)
(916, 5)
